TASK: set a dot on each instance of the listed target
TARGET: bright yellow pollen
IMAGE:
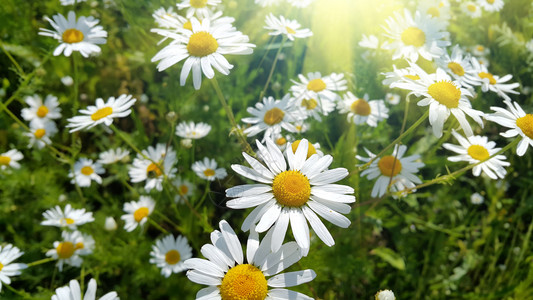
(183, 189)
(198, 3)
(446, 93)
(4, 160)
(65, 250)
(187, 25)
(72, 36)
(490, 1)
(291, 188)
(39, 133)
(471, 7)
(478, 152)
(281, 141)
(389, 166)
(412, 77)
(87, 170)
(273, 116)
(480, 48)
(155, 169)
(202, 44)
(487, 75)
(413, 36)
(1, 266)
(209, 172)
(310, 148)
(360, 107)
(79, 245)
(172, 257)
(141, 213)
(456, 68)
(309, 104)
(316, 85)
(102, 113)
(69, 221)
(244, 282)
(290, 30)
(525, 123)
(434, 12)
(42, 111)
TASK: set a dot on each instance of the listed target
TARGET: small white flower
(110, 224)
(8, 254)
(437, 9)
(10, 159)
(67, 80)
(318, 87)
(491, 82)
(300, 3)
(457, 65)
(265, 3)
(159, 162)
(290, 28)
(73, 292)
(137, 212)
(112, 156)
(68, 251)
(480, 50)
(184, 187)
(370, 41)
(392, 98)
(471, 8)
(199, 7)
(39, 110)
(85, 170)
(169, 254)
(40, 133)
(491, 5)
(477, 199)
(70, 217)
(310, 108)
(164, 17)
(207, 169)
(361, 110)
(190, 130)
(399, 75)
(385, 295)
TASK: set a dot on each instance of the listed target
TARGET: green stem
(206, 191)
(127, 141)
(154, 223)
(17, 66)
(41, 261)
(22, 294)
(75, 105)
(272, 69)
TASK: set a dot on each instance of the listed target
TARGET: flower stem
(41, 261)
(272, 69)
(154, 223)
(127, 141)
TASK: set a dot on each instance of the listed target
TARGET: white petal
(292, 278)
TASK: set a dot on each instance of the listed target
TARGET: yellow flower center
(310, 148)
(72, 36)
(273, 116)
(309, 104)
(316, 85)
(102, 113)
(389, 166)
(478, 152)
(183, 189)
(525, 123)
(172, 257)
(68, 221)
(446, 93)
(360, 107)
(434, 12)
(202, 44)
(79, 245)
(244, 282)
(39, 133)
(141, 213)
(456, 68)
(209, 172)
(490, 1)
(471, 7)
(65, 250)
(198, 3)
(87, 170)
(413, 36)
(281, 141)
(42, 111)
(480, 48)
(487, 75)
(187, 25)
(4, 160)
(412, 77)
(1, 266)
(291, 188)
(290, 30)
(154, 169)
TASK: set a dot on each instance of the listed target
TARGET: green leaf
(388, 255)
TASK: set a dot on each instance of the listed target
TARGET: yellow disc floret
(412, 77)
(202, 44)
(525, 123)
(309, 104)
(4, 160)
(65, 250)
(310, 148)
(471, 7)
(67, 221)
(42, 111)
(446, 93)
(172, 257)
(72, 36)
(316, 85)
(413, 36)
(79, 245)
(141, 213)
(360, 107)
(198, 3)
(187, 25)
(154, 169)
(281, 141)
(389, 166)
(456, 68)
(484, 75)
(102, 113)
(433, 11)
(244, 282)
(1, 266)
(183, 189)
(39, 133)
(273, 116)
(87, 170)
(478, 152)
(291, 188)
(209, 172)
(290, 30)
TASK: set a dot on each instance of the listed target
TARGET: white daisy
(394, 171)
(491, 82)
(73, 292)
(112, 156)
(310, 108)
(70, 2)
(199, 7)
(40, 133)
(422, 36)
(474, 149)
(270, 116)
(85, 170)
(229, 277)
(370, 41)
(311, 148)
(443, 97)
(39, 110)
(153, 169)
(399, 75)
(471, 9)
(102, 112)
(300, 3)
(290, 28)
(110, 224)
(319, 87)
(8, 254)
(70, 248)
(480, 50)
(190, 130)
(438, 9)
(294, 195)
(70, 218)
(185, 188)
(10, 159)
(301, 126)
(163, 16)
(385, 295)
(491, 5)
(81, 35)
(457, 65)
(392, 98)
(203, 48)
(169, 254)
(137, 212)
(361, 110)
(265, 3)
(476, 199)
(67, 80)
(518, 121)
(207, 169)
(282, 140)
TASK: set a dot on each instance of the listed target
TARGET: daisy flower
(438, 9)
(81, 35)
(40, 133)
(399, 75)
(394, 170)
(300, 3)
(290, 28)
(203, 48)
(318, 87)
(190, 130)
(162, 16)
(68, 251)
(137, 212)
(457, 65)
(491, 5)
(70, 218)
(85, 170)
(39, 110)
(474, 149)
(270, 116)
(471, 9)
(199, 7)
(159, 162)
(281, 141)
(443, 97)
(169, 254)
(310, 108)
(422, 36)
(370, 41)
(10, 159)
(392, 98)
(110, 224)
(265, 3)
(67, 80)
(112, 156)
(311, 148)
(292, 195)
(301, 126)
(518, 121)
(102, 112)
(480, 50)
(491, 82)
(385, 295)
(228, 276)
(8, 254)
(476, 199)
(207, 169)
(73, 292)
(185, 188)
(361, 110)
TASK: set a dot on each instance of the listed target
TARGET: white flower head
(40, 133)
(70, 217)
(491, 5)
(437, 9)
(67, 80)
(385, 295)
(81, 35)
(471, 9)
(370, 41)
(399, 75)
(201, 8)
(362, 110)
(159, 162)
(392, 98)
(164, 17)
(169, 253)
(480, 50)
(70, 248)
(289, 28)
(318, 87)
(73, 292)
(309, 107)
(207, 169)
(300, 3)
(137, 212)
(8, 254)
(477, 199)
(112, 156)
(190, 130)
(184, 187)
(457, 65)
(489, 81)
(110, 224)
(85, 171)
(10, 159)
(39, 110)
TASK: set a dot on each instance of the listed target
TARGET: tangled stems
(272, 69)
